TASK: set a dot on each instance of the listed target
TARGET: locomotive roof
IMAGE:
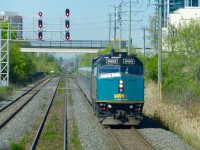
(118, 58)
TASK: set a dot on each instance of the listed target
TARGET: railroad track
(128, 138)
(40, 128)
(118, 143)
(65, 117)
(134, 141)
(143, 140)
(12, 109)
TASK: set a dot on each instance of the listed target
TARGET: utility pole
(109, 38)
(115, 29)
(160, 51)
(0, 55)
(129, 41)
(120, 19)
(144, 30)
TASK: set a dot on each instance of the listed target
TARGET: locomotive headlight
(121, 81)
(131, 106)
(109, 106)
(121, 85)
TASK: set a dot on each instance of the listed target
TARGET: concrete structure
(59, 50)
(14, 19)
(184, 16)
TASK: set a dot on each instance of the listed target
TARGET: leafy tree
(153, 34)
(17, 64)
(4, 27)
(151, 68)
(47, 62)
(182, 61)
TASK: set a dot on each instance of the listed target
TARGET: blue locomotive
(115, 87)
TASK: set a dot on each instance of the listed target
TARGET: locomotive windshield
(131, 69)
(109, 69)
(135, 70)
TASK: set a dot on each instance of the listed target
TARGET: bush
(4, 92)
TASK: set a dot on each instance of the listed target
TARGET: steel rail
(34, 144)
(121, 147)
(65, 118)
(22, 95)
(143, 139)
(20, 108)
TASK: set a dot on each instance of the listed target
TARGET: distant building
(177, 4)
(3, 18)
(170, 6)
(14, 19)
(183, 16)
(178, 18)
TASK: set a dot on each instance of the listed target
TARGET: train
(114, 86)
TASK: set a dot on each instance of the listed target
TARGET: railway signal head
(67, 35)
(40, 35)
(67, 12)
(67, 24)
(40, 23)
(40, 14)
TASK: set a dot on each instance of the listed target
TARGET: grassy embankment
(185, 123)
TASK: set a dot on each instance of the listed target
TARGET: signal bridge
(70, 46)
(35, 41)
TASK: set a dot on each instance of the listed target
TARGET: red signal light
(67, 35)
(40, 23)
(40, 35)
(40, 14)
(67, 12)
(67, 24)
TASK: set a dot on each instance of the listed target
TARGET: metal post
(160, 50)
(8, 55)
(33, 25)
(0, 56)
(129, 41)
(115, 29)
(121, 26)
(144, 48)
(109, 38)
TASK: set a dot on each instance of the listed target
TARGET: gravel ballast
(92, 135)
(28, 117)
(90, 131)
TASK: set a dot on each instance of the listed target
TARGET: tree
(153, 32)
(18, 65)
(4, 27)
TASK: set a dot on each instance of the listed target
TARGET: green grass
(75, 139)
(70, 99)
(50, 133)
(61, 85)
(20, 145)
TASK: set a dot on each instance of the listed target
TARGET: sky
(89, 19)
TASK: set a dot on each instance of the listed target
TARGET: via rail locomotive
(115, 87)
